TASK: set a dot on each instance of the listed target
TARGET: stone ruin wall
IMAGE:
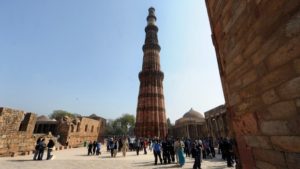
(257, 47)
(76, 131)
(16, 132)
(216, 122)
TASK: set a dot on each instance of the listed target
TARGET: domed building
(191, 125)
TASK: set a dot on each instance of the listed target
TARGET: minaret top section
(151, 19)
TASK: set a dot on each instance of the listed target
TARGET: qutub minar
(151, 116)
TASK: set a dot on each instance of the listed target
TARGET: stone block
(270, 97)
(293, 125)
(239, 71)
(286, 143)
(258, 141)
(293, 26)
(261, 69)
(285, 53)
(290, 89)
(265, 165)
(298, 102)
(246, 151)
(245, 124)
(282, 110)
(296, 65)
(249, 77)
(270, 156)
(276, 77)
(275, 128)
(293, 160)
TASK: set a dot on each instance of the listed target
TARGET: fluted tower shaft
(151, 116)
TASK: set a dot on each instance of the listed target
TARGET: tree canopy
(58, 114)
(123, 125)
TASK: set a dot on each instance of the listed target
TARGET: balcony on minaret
(151, 19)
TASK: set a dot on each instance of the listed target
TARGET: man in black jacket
(50, 146)
(196, 153)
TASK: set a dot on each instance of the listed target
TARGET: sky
(84, 56)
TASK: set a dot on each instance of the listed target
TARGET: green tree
(169, 123)
(125, 119)
(58, 114)
(120, 126)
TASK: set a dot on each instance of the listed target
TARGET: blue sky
(85, 56)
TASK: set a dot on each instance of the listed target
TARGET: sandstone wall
(257, 47)
(16, 132)
(76, 131)
(216, 122)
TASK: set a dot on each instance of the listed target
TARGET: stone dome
(193, 114)
(44, 118)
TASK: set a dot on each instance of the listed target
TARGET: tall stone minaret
(150, 115)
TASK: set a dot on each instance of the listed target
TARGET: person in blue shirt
(98, 148)
(157, 151)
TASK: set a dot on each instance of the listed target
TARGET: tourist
(176, 148)
(42, 146)
(90, 147)
(206, 153)
(98, 148)
(94, 147)
(116, 147)
(222, 142)
(219, 147)
(120, 144)
(228, 149)
(50, 146)
(187, 147)
(145, 144)
(172, 152)
(125, 146)
(196, 153)
(166, 151)
(150, 145)
(111, 147)
(137, 146)
(157, 151)
(180, 153)
(108, 142)
(211, 147)
(36, 153)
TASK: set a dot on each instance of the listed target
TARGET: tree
(126, 119)
(58, 114)
(169, 123)
(120, 126)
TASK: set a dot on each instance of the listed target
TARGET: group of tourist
(115, 145)
(41, 146)
(94, 148)
(166, 151)
(169, 150)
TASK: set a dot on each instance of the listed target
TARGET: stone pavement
(76, 158)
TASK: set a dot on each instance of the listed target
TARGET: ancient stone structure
(102, 125)
(45, 125)
(16, 132)
(151, 116)
(191, 125)
(74, 132)
(216, 122)
(17, 127)
(258, 53)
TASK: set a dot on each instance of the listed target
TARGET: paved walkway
(77, 159)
